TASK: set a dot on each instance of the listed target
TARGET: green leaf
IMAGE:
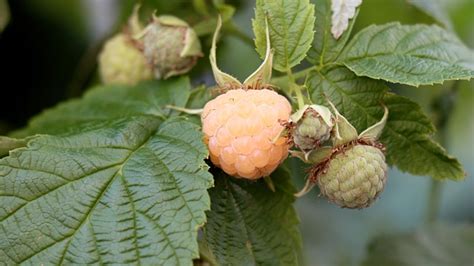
(437, 245)
(357, 98)
(325, 47)
(409, 145)
(433, 9)
(407, 132)
(110, 102)
(413, 55)
(199, 97)
(291, 25)
(117, 186)
(123, 191)
(250, 225)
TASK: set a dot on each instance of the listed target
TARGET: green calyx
(345, 132)
(261, 76)
(134, 25)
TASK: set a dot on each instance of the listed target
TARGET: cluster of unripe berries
(166, 47)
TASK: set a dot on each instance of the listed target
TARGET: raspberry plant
(128, 174)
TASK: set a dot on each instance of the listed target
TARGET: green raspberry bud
(120, 62)
(311, 126)
(311, 131)
(353, 177)
(171, 46)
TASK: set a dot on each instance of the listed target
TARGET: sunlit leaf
(291, 25)
(127, 190)
(413, 55)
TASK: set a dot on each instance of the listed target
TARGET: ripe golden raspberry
(354, 177)
(241, 129)
(122, 63)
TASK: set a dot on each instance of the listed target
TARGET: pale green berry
(354, 177)
(120, 62)
(171, 46)
(311, 131)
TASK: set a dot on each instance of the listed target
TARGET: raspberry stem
(301, 74)
(299, 96)
(296, 89)
(185, 110)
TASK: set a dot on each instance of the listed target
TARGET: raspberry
(241, 129)
(310, 128)
(353, 177)
(120, 62)
(171, 46)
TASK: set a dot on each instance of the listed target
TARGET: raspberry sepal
(258, 79)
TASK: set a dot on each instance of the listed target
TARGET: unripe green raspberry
(311, 130)
(171, 46)
(120, 62)
(353, 177)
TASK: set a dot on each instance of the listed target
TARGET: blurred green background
(48, 54)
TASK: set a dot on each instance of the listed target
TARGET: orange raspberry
(241, 128)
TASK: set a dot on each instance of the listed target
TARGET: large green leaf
(413, 55)
(357, 98)
(436, 245)
(325, 47)
(291, 25)
(407, 132)
(109, 102)
(251, 225)
(434, 9)
(122, 191)
(116, 186)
